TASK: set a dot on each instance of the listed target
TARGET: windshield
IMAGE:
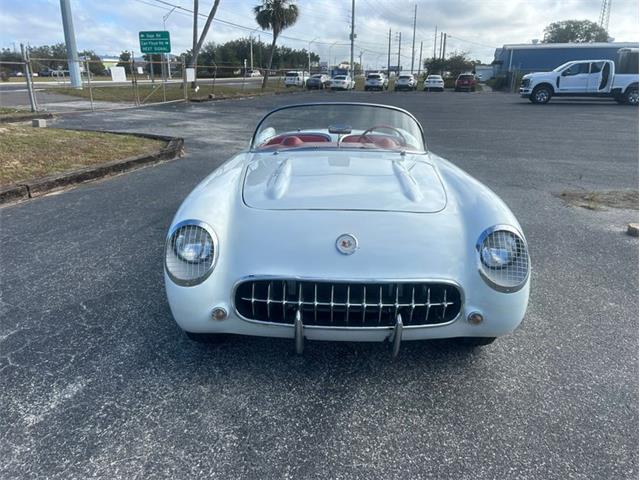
(561, 67)
(339, 125)
(434, 77)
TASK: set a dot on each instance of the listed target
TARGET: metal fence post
(184, 80)
(134, 82)
(164, 80)
(88, 70)
(28, 79)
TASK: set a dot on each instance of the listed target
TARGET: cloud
(477, 27)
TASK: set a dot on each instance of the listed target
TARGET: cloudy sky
(473, 26)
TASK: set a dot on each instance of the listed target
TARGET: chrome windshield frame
(253, 148)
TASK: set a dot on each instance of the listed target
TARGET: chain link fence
(33, 85)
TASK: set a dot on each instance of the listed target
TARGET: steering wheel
(363, 135)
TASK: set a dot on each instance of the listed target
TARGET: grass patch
(625, 199)
(27, 153)
(11, 111)
(148, 93)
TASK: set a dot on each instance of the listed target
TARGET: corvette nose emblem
(347, 244)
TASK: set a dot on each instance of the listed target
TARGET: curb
(24, 118)
(44, 185)
(632, 229)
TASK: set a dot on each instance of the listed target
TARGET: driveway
(96, 380)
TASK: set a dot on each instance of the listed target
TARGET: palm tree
(275, 15)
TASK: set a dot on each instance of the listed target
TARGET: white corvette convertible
(337, 223)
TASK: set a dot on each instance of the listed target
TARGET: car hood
(538, 75)
(348, 180)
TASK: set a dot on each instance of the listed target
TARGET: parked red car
(466, 81)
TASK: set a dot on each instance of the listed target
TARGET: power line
(236, 25)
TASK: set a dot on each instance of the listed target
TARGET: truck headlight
(191, 252)
(503, 258)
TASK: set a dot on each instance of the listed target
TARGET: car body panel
(316, 181)
(291, 239)
(376, 81)
(406, 82)
(342, 83)
(433, 82)
(590, 83)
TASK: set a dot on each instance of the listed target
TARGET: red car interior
(319, 140)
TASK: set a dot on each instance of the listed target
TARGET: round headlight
(190, 252)
(499, 249)
(193, 248)
(504, 259)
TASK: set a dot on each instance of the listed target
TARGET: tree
(275, 15)
(574, 31)
(455, 64)
(95, 62)
(125, 61)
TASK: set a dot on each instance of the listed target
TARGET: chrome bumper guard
(395, 338)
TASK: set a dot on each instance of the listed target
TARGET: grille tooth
(344, 304)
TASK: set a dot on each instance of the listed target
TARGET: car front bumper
(525, 91)
(192, 309)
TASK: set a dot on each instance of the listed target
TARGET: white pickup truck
(587, 78)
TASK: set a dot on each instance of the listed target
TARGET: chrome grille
(348, 304)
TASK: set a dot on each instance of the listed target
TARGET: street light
(251, 46)
(164, 28)
(309, 54)
(330, 48)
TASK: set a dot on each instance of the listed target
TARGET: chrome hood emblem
(347, 244)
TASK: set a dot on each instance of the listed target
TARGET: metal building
(541, 57)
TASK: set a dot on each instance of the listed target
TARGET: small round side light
(475, 318)
(219, 314)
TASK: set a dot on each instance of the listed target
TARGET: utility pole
(399, 44)
(251, 49)
(164, 27)
(444, 47)
(440, 50)
(389, 56)
(413, 43)
(420, 60)
(70, 43)
(435, 41)
(195, 43)
(352, 37)
(361, 69)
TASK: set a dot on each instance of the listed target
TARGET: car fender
(543, 78)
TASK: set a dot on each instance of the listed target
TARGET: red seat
(302, 137)
(381, 141)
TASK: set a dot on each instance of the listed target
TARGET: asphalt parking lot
(96, 380)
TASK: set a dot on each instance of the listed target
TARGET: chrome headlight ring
(503, 258)
(191, 252)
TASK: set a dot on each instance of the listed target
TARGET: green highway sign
(155, 42)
